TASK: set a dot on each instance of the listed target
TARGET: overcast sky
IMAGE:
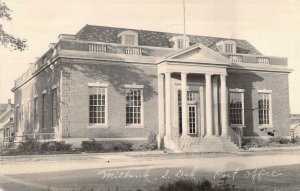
(272, 26)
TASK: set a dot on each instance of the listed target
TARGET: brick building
(196, 93)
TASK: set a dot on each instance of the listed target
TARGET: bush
(32, 146)
(122, 146)
(92, 146)
(280, 140)
(151, 143)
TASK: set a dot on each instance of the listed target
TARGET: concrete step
(207, 144)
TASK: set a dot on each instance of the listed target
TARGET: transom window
(97, 106)
(236, 107)
(133, 106)
(191, 96)
(264, 108)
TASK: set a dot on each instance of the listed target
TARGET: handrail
(236, 137)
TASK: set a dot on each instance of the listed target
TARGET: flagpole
(184, 36)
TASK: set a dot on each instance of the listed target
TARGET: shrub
(54, 147)
(151, 143)
(92, 146)
(29, 146)
(122, 146)
(280, 140)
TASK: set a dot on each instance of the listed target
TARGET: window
(191, 96)
(264, 108)
(236, 107)
(134, 101)
(22, 111)
(180, 44)
(35, 113)
(17, 118)
(44, 111)
(179, 112)
(129, 39)
(97, 105)
(54, 107)
(229, 48)
(29, 109)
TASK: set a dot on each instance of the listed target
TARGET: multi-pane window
(236, 108)
(191, 96)
(264, 108)
(179, 112)
(29, 110)
(44, 111)
(129, 39)
(192, 119)
(97, 105)
(229, 48)
(54, 107)
(35, 113)
(134, 106)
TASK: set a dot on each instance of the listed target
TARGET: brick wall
(44, 81)
(75, 98)
(254, 81)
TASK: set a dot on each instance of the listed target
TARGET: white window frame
(242, 92)
(105, 87)
(269, 93)
(54, 122)
(141, 88)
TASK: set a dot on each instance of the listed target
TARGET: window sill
(98, 126)
(138, 126)
(236, 126)
(265, 126)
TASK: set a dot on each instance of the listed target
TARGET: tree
(8, 40)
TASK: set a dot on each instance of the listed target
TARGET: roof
(3, 108)
(156, 39)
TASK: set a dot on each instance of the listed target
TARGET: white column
(168, 104)
(216, 106)
(184, 104)
(224, 106)
(202, 116)
(208, 105)
(161, 109)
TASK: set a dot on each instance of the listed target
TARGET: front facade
(119, 84)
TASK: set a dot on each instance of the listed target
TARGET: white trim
(44, 92)
(35, 96)
(265, 91)
(237, 90)
(54, 87)
(141, 124)
(270, 125)
(242, 92)
(98, 84)
(134, 86)
(99, 125)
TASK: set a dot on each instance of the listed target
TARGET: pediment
(199, 54)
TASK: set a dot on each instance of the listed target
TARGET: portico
(192, 96)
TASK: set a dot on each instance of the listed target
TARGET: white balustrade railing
(133, 50)
(97, 48)
(236, 58)
(263, 60)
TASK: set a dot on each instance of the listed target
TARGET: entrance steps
(206, 144)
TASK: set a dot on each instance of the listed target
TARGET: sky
(272, 26)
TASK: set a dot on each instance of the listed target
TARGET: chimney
(9, 103)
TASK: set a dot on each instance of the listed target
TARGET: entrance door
(192, 109)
